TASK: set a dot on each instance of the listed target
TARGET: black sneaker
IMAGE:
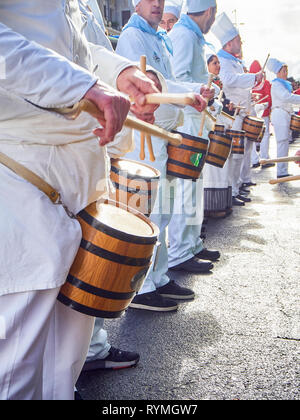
(116, 359)
(206, 254)
(242, 198)
(173, 291)
(153, 301)
(193, 265)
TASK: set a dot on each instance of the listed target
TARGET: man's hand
(200, 103)
(136, 84)
(113, 109)
(207, 93)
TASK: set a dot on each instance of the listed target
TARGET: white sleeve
(39, 75)
(233, 79)
(285, 96)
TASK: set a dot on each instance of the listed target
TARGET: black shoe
(172, 290)
(283, 176)
(116, 359)
(267, 165)
(153, 301)
(236, 202)
(256, 165)
(248, 184)
(193, 265)
(242, 198)
(244, 190)
(205, 254)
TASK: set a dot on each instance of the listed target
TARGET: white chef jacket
(38, 41)
(237, 84)
(282, 109)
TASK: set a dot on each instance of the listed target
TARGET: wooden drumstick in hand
(143, 63)
(211, 76)
(142, 148)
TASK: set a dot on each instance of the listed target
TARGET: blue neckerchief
(138, 22)
(186, 21)
(288, 85)
(224, 54)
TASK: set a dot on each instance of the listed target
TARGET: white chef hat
(224, 29)
(135, 2)
(173, 7)
(275, 65)
(196, 6)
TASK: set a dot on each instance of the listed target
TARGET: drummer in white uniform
(141, 37)
(283, 100)
(190, 65)
(39, 240)
(171, 14)
(237, 85)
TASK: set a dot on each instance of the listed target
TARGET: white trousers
(99, 346)
(185, 226)
(264, 145)
(245, 174)
(43, 348)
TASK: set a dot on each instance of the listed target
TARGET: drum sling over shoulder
(35, 180)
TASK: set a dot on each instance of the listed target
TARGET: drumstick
(265, 65)
(143, 69)
(211, 76)
(86, 105)
(143, 63)
(280, 160)
(171, 98)
(260, 100)
(285, 179)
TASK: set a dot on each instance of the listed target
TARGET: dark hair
(211, 58)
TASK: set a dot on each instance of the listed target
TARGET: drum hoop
(156, 172)
(117, 234)
(189, 137)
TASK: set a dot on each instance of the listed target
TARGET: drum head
(135, 169)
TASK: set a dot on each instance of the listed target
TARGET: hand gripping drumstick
(143, 63)
(211, 76)
(142, 147)
(280, 160)
(86, 105)
(285, 179)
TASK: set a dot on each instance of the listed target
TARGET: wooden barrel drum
(219, 149)
(187, 160)
(111, 264)
(136, 184)
(253, 127)
(295, 123)
(238, 143)
(219, 128)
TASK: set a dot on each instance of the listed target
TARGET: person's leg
(99, 345)
(282, 151)
(26, 318)
(65, 353)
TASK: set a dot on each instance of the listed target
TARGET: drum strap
(35, 180)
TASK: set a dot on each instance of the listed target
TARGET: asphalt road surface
(240, 338)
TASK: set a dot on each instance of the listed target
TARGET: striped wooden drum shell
(111, 264)
(253, 127)
(219, 128)
(238, 143)
(295, 123)
(219, 149)
(187, 160)
(136, 184)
